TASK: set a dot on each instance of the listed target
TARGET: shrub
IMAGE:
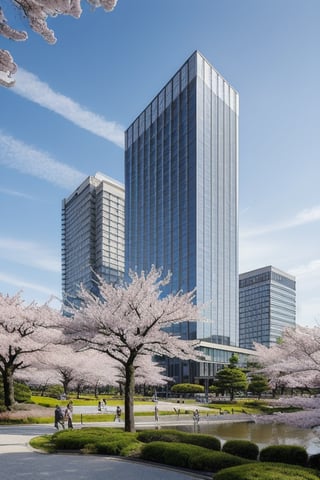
(292, 454)
(214, 461)
(242, 448)
(148, 436)
(202, 440)
(22, 393)
(121, 446)
(187, 388)
(54, 391)
(189, 456)
(266, 471)
(90, 438)
(314, 461)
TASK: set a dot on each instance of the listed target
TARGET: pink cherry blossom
(37, 12)
(130, 324)
(25, 330)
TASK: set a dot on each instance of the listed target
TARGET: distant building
(267, 305)
(181, 180)
(92, 234)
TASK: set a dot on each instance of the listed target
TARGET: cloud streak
(310, 269)
(27, 159)
(301, 218)
(21, 284)
(31, 87)
(14, 193)
(30, 254)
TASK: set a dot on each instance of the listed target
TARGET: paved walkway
(19, 461)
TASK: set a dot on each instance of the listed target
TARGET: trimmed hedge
(291, 454)
(189, 456)
(266, 471)
(95, 440)
(314, 461)
(201, 440)
(242, 448)
(122, 447)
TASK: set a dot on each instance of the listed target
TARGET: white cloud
(21, 284)
(295, 252)
(253, 254)
(27, 159)
(31, 87)
(308, 288)
(29, 253)
(301, 218)
(310, 268)
(14, 193)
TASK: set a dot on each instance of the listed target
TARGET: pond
(261, 434)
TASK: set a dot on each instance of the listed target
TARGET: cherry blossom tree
(294, 363)
(143, 379)
(37, 12)
(295, 360)
(131, 322)
(74, 370)
(144, 366)
(308, 417)
(24, 331)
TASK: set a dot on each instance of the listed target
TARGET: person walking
(118, 414)
(68, 415)
(58, 417)
(196, 416)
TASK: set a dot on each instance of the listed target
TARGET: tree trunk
(128, 399)
(8, 388)
(231, 394)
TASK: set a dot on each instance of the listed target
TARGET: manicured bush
(148, 436)
(266, 471)
(54, 391)
(242, 448)
(214, 461)
(292, 454)
(189, 456)
(22, 393)
(122, 447)
(89, 438)
(314, 461)
(202, 440)
(187, 388)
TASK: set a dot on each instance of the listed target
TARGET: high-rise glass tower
(92, 234)
(181, 180)
(267, 302)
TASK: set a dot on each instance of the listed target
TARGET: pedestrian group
(65, 417)
(61, 417)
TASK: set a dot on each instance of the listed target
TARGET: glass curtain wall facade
(267, 306)
(181, 180)
(92, 235)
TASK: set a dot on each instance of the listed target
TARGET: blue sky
(65, 117)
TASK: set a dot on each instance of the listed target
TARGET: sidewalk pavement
(18, 460)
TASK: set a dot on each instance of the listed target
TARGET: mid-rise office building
(181, 180)
(92, 234)
(267, 305)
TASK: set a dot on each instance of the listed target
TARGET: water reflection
(261, 434)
